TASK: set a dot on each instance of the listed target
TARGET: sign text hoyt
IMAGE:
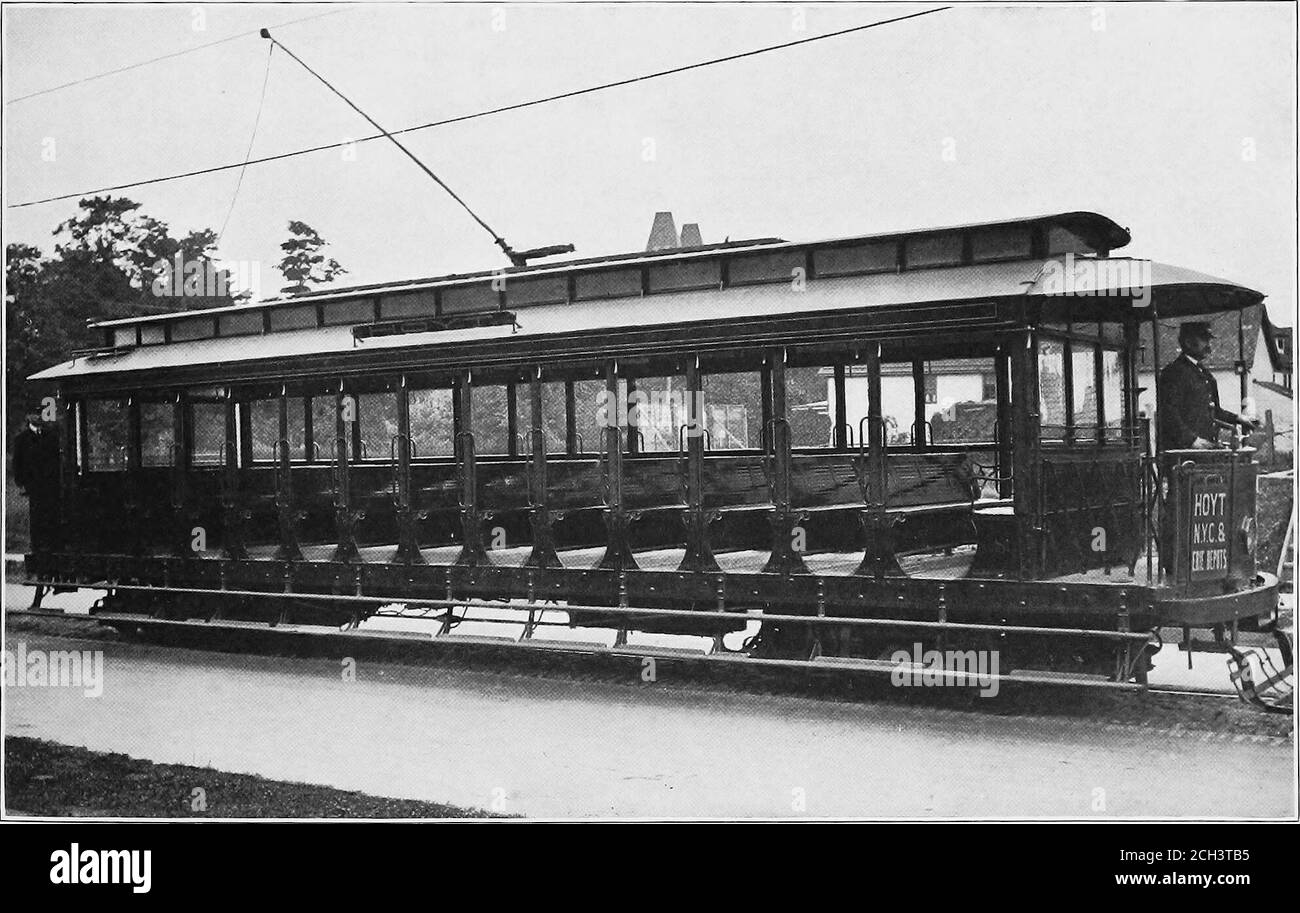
(1208, 533)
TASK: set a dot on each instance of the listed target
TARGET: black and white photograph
(656, 411)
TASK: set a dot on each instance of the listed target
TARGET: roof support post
(286, 511)
(69, 410)
(233, 513)
(1155, 379)
(1243, 369)
(83, 434)
(785, 558)
(539, 513)
(133, 434)
(618, 550)
(841, 433)
(1067, 386)
(345, 518)
(1028, 425)
(132, 506)
(1005, 434)
(472, 551)
(408, 517)
(919, 424)
(879, 559)
(309, 444)
(243, 430)
(699, 519)
(357, 449)
(512, 419)
(1165, 519)
(1128, 362)
(182, 459)
(1099, 389)
(767, 399)
(570, 418)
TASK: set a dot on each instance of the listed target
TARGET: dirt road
(546, 747)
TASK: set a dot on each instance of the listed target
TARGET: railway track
(566, 738)
(828, 677)
(1160, 711)
(200, 615)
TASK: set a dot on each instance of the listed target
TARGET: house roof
(1223, 355)
(1276, 388)
(969, 422)
(1280, 344)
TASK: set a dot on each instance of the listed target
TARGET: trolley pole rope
(496, 238)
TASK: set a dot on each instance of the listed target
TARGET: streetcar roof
(1097, 230)
(1175, 292)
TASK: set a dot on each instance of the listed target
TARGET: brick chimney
(663, 233)
(691, 235)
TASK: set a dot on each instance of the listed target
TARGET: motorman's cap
(1195, 329)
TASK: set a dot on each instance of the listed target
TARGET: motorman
(1189, 413)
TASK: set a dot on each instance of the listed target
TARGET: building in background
(960, 399)
(663, 234)
(1250, 360)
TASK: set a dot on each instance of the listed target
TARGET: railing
(395, 487)
(464, 457)
(606, 474)
(692, 427)
(848, 434)
(177, 492)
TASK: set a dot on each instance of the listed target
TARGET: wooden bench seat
(736, 484)
(651, 484)
(825, 483)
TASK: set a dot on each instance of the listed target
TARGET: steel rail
(525, 605)
(624, 650)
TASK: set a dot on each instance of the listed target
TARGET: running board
(577, 646)
(953, 676)
(225, 624)
(668, 652)
(823, 663)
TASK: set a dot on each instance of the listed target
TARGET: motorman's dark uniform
(1189, 405)
(36, 472)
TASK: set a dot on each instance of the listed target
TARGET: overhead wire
(478, 114)
(153, 60)
(261, 103)
(497, 239)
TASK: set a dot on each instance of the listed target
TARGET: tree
(31, 339)
(22, 270)
(105, 259)
(134, 263)
(100, 231)
(304, 264)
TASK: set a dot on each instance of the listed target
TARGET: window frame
(1101, 433)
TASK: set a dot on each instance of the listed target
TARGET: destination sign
(1208, 528)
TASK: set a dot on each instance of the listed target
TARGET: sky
(1176, 120)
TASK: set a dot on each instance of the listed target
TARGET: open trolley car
(840, 447)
